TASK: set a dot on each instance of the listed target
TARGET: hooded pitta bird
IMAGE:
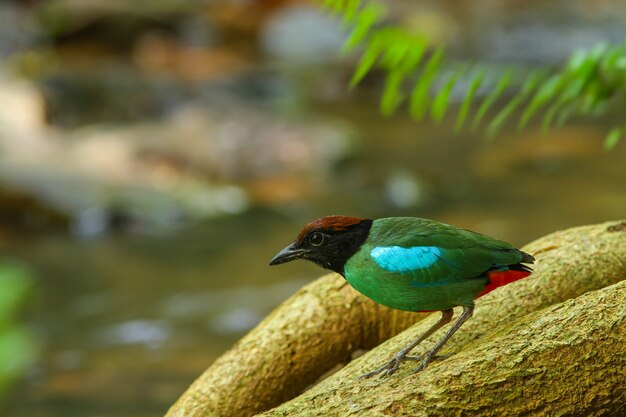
(410, 264)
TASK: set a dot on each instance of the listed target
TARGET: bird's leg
(391, 366)
(467, 313)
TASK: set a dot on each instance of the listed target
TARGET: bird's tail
(514, 272)
(526, 259)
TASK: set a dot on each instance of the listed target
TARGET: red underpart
(496, 279)
(500, 278)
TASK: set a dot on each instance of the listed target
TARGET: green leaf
(405, 57)
(527, 88)
(395, 53)
(441, 102)
(613, 138)
(593, 94)
(479, 76)
(366, 63)
(17, 346)
(333, 5)
(549, 116)
(350, 12)
(565, 114)
(598, 50)
(18, 350)
(369, 16)
(419, 96)
(415, 54)
(491, 98)
(547, 92)
(573, 89)
(586, 85)
(392, 97)
(577, 60)
(15, 286)
(583, 62)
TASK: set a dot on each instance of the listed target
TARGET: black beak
(288, 254)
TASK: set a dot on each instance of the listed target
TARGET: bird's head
(329, 242)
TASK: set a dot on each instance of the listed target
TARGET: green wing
(436, 253)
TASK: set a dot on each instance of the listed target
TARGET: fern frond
(442, 100)
(419, 97)
(586, 85)
(613, 137)
(530, 84)
(493, 96)
(476, 82)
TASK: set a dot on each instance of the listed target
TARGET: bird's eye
(316, 239)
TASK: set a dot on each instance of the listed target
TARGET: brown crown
(329, 223)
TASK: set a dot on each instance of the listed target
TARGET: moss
(535, 375)
(522, 352)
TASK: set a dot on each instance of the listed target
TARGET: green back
(455, 278)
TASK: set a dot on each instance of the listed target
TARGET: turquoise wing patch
(399, 259)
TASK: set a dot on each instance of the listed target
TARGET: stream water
(126, 322)
(148, 217)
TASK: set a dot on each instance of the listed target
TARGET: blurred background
(155, 154)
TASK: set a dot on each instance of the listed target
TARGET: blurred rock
(194, 164)
(117, 21)
(149, 333)
(303, 34)
(230, 310)
(165, 55)
(548, 39)
(430, 19)
(280, 189)
(543, 33)
(22, 211)
(238, 19)
(405, 190)
(21, 110)
(18, 30)
(249, 144)
(110, 94)
(236, 321)
(69, 360)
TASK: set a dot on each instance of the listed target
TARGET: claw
(387, 369)
(424, 363)
(421, 366)
(446, 315)
(392, 366)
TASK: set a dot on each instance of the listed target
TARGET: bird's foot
(391, 366)
(427, 358)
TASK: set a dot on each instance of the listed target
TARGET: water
(127, 317)
(128, 321)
